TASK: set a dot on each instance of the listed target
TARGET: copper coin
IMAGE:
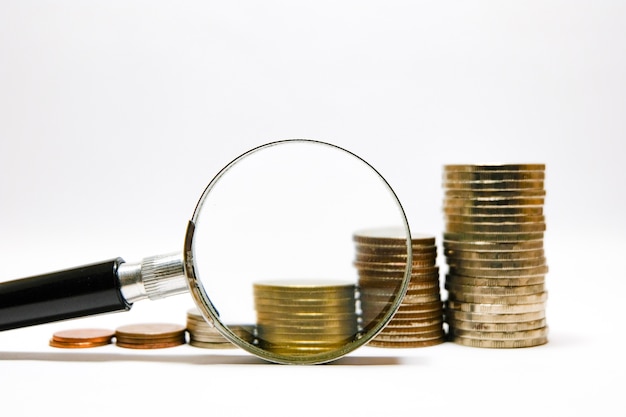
(150, 335)
(149, 330)
(405, 345)
(81, 338)
(149, 345)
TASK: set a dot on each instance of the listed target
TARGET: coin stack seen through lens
(204, 335)
(302, 317)
(493, 245)
(381, 260)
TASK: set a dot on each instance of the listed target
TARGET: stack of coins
(381, 260)
(150, 335)
(81, 338)
(493, 244)
(302, 317)
(204, 335)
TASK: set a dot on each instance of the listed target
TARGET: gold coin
(206, 336)
(461, 210)
(307, 330)
(487, 246)
(412, 315)
(303, 316)
(420, 307)
(500, 264)
(499, 344)
(498, 299)
(424, 273)
(389, 250)
(276, 328)
(303, 297)
(384, 293)
(482, 219)
(494, 255)
(304, 286)
(423, 286)
(499, 273)
(365, 257)
(495, 308)
(394, 283)
(494, 202)
(391, 278)
(452, 314)
(309, 326)
(494, 175)
(305, 303)
(494, 291)
(395, 235)
(496, 281)
(412, 324)
(415, 322)
(211, 345)
(406, 312)
(410, 338)
(494, 185)
(402, 329)
(497, 327)
(492, 237)
(493, 167)
(297, 347)
(421, 298)
(394, 266)
(405, 345)
(494, 227)
(281, 336)
(517, 335)
(471, 194)
(264, 303)
(384, 299)
(288, 310)
(418, 274)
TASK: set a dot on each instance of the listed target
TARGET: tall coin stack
(493, 244)
(304, 317)
(381, 259)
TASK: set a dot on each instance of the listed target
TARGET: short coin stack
(493, 244)
(81, 338)
(203, 335)
(303, 317)
(381, 259)
(150, 335)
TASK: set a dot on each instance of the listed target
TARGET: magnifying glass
(270, 245)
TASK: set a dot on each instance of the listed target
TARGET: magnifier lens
(272, 244)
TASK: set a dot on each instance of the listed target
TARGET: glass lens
(272, 245)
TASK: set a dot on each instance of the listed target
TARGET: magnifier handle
(82, 291)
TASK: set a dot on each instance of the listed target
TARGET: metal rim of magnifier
(210, 313)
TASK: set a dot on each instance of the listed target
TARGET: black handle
(78, 292)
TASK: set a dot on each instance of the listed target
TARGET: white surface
(115, 115)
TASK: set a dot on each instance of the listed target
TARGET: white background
(115, 115)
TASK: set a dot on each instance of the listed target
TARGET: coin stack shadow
(493, 246)
(305, 317)
(204, 335)
(381, 259)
